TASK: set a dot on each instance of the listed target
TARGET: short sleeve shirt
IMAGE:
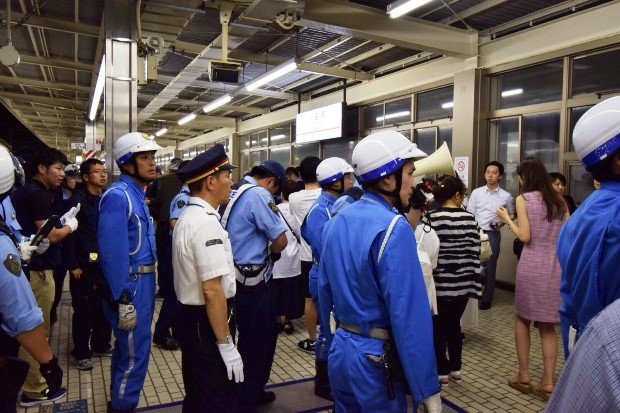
(200, 251)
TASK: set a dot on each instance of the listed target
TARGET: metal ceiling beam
(43, 84)
(57, 102)
(56, 62)
(48, 110)
(51, 23)
(52, 119)
(196, 104)
(239, 55)
(335, 72)
(229, 87)
(372, 24)
(202, 120)
(478, 8)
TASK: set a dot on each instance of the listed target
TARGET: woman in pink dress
(541, 212)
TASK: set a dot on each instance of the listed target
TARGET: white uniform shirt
(300, 203)
(200, 251)
(289, 264)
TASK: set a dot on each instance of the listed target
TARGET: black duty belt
(375, 332)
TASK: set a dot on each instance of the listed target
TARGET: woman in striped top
(456, 275)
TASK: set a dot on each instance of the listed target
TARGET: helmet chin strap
(395, 194)
(338, 191)
(136, 175)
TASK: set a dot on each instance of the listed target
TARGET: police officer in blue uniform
(589, 242)
(334, 176)
(21, 321)
(252, 221)
(126, 239)
(375, 286)
(177, 205)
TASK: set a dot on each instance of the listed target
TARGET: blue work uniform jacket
(389, 293)
(589, 254)
(125, 235)
(312, 227)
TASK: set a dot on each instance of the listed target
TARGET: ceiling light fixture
(273, 74)
(393, 115)
(187, 118)
(511, 92)
(161, 132)
(216, 103)
(94, 104)
(447, 105)
(401, 7)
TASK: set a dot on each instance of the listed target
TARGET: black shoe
(323, 392)
(265, 397)
(307, 345)
(167, 342)
(484, 306)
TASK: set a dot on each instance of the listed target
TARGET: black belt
(375, 332)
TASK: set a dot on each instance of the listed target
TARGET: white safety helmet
(7, 170)
(130, 144)
(332, 169)
(597, 133)
(72, 170)
(382, 153)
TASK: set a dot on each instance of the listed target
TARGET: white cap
(597, 133)
(7, 170)
(332, 169)
(132, 143)
(381, 153)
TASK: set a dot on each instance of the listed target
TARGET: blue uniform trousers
(357, 383)
(130, 358)
(320, 351)
(258, 334)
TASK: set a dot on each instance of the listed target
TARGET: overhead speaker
(438, 162)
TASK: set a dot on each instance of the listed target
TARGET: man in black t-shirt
(33, 205)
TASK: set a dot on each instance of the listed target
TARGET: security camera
(9, 55)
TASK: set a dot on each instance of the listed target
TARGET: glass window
(259, 139)
(244, 160)
(406, 132)
(445, 135)
(536, 84)
(397, 111)
(504, 135)
(301, 151)
(341, 148)
(372, 116)
(596, 73)
(352, 122)
(425, 139)
(541, 138)
(435, 104)
(185, 154)
(282, 155)
(575, 115)
(256, 157)
(581, 183)
(245, 141)
(281, 134)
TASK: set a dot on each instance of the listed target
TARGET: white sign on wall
(461, 166)
(78, 145)
(319, 124)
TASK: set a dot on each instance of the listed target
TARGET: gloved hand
(432, 404)
(43, 246)
(233, 361)
(70, 218)
(26, 250)
(52, 373)
(127, 316)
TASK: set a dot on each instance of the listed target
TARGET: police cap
(205, 164)
(274, 168)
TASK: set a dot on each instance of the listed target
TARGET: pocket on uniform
(206, 338)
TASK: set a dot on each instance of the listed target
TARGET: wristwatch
(226, 340)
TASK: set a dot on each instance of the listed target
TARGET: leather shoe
(167, 342)
(265, 397)
(484, 306)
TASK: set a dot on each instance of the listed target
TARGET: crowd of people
(329, 240)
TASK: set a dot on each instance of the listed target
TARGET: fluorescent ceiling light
(94, 104)
(151, 137)
(337, 44)
(393, 115)
(401, 7)
(511, 92)
(186, 119)
(216, 103)
(277, 137)
(447, 105)
(273, 74)
(161, 132)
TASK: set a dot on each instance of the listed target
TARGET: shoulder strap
(387, 236)
(229, 207)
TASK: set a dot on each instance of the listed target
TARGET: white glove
(127, 317)
(233, 361)
(70, 218)
(431, 404)
(26, 250)
(43, 246)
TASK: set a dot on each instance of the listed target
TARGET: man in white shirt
(484, 203)
(300, 202)
(203, 280)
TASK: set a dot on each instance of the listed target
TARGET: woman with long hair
(456, 275)
(541, 211)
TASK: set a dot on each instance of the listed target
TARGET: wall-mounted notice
(461, 166)
(319, 124)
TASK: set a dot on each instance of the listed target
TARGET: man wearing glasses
(87, 283)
